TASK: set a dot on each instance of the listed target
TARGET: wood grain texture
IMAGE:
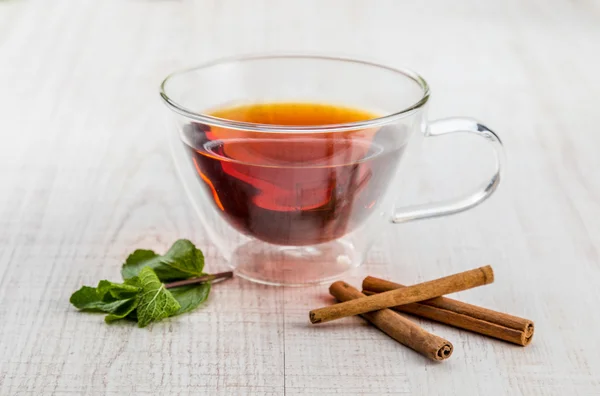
(85, 178)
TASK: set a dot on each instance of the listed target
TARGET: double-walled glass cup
(301, 204)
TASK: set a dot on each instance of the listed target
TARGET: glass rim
(275, 128)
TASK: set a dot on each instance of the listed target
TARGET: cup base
(276, 265)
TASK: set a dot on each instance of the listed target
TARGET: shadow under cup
(292, 204)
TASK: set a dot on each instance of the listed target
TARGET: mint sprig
(183, 260)
(143, 296)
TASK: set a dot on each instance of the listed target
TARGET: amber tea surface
(292, 188)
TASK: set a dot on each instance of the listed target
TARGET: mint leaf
(87, 298)
(130, 288)
(184, 256)
(155, 302)
(138, 260)
(191, 296)
(142, 297)
(182, 261)
(116, 299)
(125, 308)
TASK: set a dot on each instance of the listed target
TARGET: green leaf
(117, 309)
(116, 299)
(142, 296)
(155, 302)
(137, 260)
(87, 298)
(119, 291)
(124, 309)
(184, 256)
(190, 296)
(182, 261)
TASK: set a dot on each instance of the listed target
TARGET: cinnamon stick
(398, 327)
(459, 314)
(419, 292)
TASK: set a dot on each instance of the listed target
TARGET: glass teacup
(289, 160)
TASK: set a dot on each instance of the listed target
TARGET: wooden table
(86, 178)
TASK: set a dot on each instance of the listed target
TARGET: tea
(291, 188)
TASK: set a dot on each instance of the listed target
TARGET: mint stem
(200, 279)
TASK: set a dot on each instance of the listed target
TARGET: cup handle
(443, 208)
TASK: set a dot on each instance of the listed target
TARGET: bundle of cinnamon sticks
(381, 300)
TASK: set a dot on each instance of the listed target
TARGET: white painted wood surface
(85, 178)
